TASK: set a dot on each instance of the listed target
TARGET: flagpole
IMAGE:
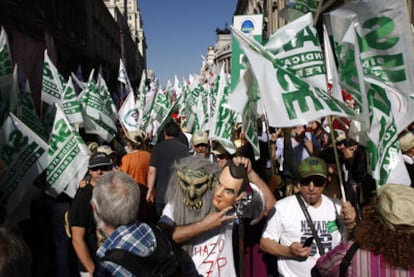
(338, 167)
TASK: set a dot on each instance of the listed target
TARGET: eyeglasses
(102, 168)
(318, 181)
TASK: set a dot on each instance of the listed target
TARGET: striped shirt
(364, 263)
(137, 238)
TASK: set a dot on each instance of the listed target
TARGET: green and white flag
(25, 156)
(97, 119)
(71, 105)
(28, 113)
(107, 99)
(52, 82)
(224, 119)
(296, 47)
(68, 157)
(6, 76)
(331, 70)
(128, 113)
(297, 8)
(244, 99)
(385, 39)
(161, 107)
(288, 101)
(384, 154)
(140, 101)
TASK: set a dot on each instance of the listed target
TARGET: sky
(178, 32)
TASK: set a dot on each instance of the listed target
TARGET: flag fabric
(71, 105)
(384, 155)
(124, 79)
(78, 79)
(25, 156)
(106, 97)
(6, 75)
(297, 8)
(288, 101)
(52, 82)
(68, 157)
(296, 47)
(28, 114)
(128, 113)
(140, 101)
(385, 39)
(244, 99)
(331, 70)
(97, 119)
(223, 119)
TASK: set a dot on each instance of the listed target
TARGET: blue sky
(179, 32)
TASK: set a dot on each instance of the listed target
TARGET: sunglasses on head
(102, 168)
(318, 181)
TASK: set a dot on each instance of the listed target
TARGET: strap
(126, 259)
(311, 225)
(346, 261)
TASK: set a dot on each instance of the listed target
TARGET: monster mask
(193, 184)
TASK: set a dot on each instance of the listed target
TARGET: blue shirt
(137, 238)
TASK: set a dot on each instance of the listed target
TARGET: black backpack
(162, 262)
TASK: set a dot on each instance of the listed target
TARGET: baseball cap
(133, 135)
(98, 160)
(312, 166)
(106, 149)
(93, 146)
(219, 150)
(407, 142)
(340, 135)
(395, 206)
(200, 137)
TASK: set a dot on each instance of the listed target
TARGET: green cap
(312, 166)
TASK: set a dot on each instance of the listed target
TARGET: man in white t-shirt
(287, 229)
(199, 208)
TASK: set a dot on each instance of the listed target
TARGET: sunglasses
(221, 156)
(318, 181)
(102, 168)
(202, 145)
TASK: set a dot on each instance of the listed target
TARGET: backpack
(162, 262)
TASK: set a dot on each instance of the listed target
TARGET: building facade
(75, 33)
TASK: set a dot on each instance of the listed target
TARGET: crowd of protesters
(316, 166)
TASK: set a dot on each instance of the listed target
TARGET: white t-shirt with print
(289, 225)
(212, 251)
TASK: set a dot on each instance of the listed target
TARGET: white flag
(52, 82)
(6, 76)
(25, 156)
(71, 105)
(384, 154)
(128, 113)
(287, 99)
(68, 157)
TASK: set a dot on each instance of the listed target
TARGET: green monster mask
(194, 183)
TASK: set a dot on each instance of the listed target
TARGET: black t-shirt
(163, 156)
(81, 215)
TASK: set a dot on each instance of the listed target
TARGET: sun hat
(407, 142)
(395, 206)
(98, 160)
(199, 137)
(106, 149)
(312, 166)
